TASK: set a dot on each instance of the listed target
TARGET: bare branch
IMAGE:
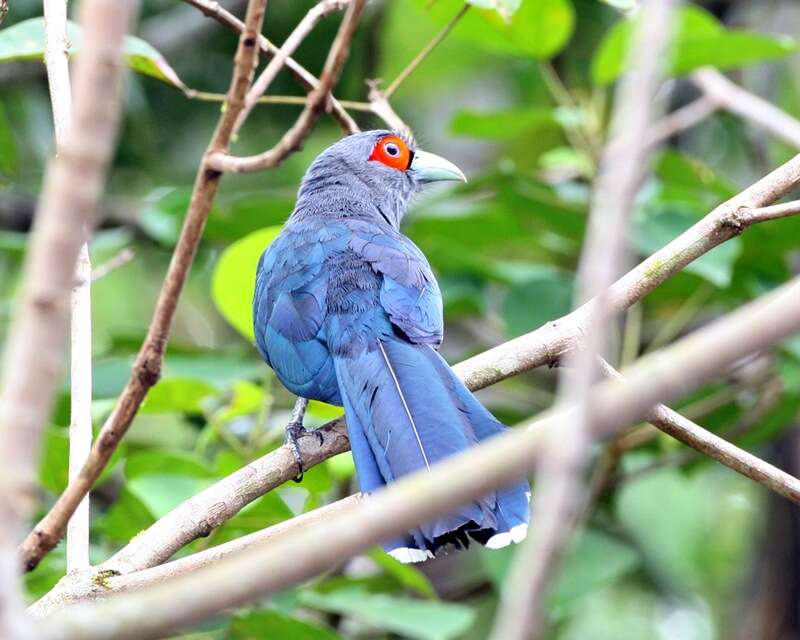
(56, 58)
(680, 120)
(560, 488)
(147, 368)
(112, 264)
(80, 427)
(241, 577)
(546, 344)
(306, 78)
(748, 106)
(379, 105)
(681, 428)
(82, 588)
(209, 509)
(301, 31)
(294, 138)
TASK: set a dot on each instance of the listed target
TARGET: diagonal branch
(303, 28)
(293, 139)
(306, 78)
(747, 105)
(220, 502)
(240, 577)
(123, 576)
(147, 368)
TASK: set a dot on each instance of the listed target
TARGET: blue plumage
(347, 311)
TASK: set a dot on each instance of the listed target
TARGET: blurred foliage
(519, 95)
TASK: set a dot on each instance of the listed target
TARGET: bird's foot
(295, 431)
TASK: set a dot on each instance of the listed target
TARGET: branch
(560, 488)
(674, 424)
(240, 578)
(306, 78)
(73, 589)
(34, 353)
(301, 31)
(80, 426)
(747, 105)
(293, 139)
(147, 368)
(680, 120)
(112, 264)
(209, 509)
(56, 56)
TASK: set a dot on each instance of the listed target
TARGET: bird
(347, 311)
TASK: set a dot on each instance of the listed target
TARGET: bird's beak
(429, 167)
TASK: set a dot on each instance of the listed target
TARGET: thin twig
(240, 577)
(680, 120)
(80, 425)
(300, 101)
(112, 264)
(379, 105)
(80, 428)
(300, 32)
(737, 100)
(215, 11)
(426, 51)
(147, 368)
(293, 139)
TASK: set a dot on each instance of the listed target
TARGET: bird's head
(373, 173)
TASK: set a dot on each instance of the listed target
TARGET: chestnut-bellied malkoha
(348, 311)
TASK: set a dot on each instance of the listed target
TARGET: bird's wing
(289, 305)
(409, 292)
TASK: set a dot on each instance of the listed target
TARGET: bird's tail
(406, 410)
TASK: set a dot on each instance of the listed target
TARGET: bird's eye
(393, 152)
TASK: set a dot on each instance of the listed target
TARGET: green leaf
(9, 160)
(248, 398)
(25, 41)
(596, 560)
(162, 492)
(150, 461)
(127, 517)
(272, 625)
(701, 40)
(54, 461)
(546, 294)
(264, 512)
(179, 395)
(697, 553)
(658, 225)
(234, 280)
(501, 125)
(538, 29)
(415, 619)
(406, 574)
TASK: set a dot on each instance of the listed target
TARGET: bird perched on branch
(348, 311)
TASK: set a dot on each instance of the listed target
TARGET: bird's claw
(295, 431)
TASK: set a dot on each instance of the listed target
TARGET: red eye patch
(393, 152)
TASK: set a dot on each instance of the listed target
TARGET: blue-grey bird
(348, 311)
